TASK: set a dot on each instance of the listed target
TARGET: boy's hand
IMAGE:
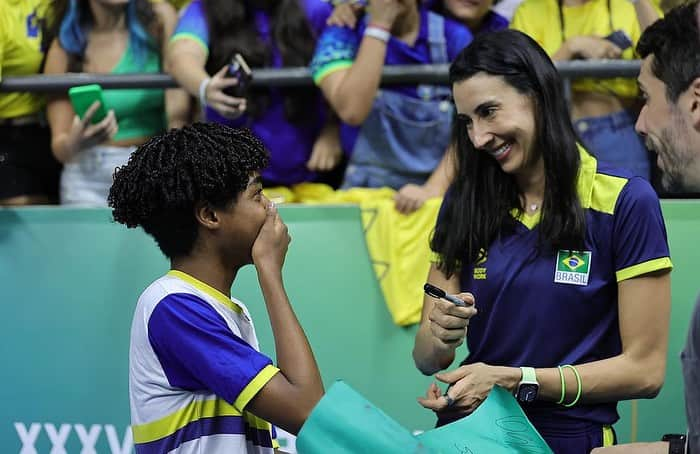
(270, 247)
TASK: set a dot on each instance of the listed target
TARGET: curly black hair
(169, 174)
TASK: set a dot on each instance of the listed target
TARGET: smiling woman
(555, 251)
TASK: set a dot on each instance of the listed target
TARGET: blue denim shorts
(613, 140)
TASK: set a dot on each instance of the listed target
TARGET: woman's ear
(694, 92)
(206, 216)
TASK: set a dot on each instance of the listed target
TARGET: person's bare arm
(351, 91)
(177, 101)
(327, 150)
(412, 196)
(70, 134)
(443, 325)
(290, 395)
(646, 13)
(637, 372)
(186, 59)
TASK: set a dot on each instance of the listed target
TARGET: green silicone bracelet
(578, 385)
(563, 385)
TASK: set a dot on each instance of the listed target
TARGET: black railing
(405, 74)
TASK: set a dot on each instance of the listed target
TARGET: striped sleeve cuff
(193, 37)
(254, 386)
(662, 263)
(324, 71)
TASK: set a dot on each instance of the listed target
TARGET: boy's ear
(694, 91)
(206, 216)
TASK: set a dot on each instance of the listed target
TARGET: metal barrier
(403, 74)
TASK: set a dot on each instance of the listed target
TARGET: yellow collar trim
(209, 290)
(584, 188)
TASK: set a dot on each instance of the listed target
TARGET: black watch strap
(676, 443)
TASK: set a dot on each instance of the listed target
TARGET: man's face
(666, 129)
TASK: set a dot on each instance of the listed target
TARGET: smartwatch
(676, 443)
(528, 387)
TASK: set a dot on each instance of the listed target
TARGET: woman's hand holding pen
(448, 322)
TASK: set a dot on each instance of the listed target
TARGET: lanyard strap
(561, 18)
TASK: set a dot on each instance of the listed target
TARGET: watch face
(527, 392)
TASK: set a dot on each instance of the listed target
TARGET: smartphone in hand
(620, 39)
(83, 97)
(239, 69)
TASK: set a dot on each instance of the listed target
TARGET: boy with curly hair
(197, 381)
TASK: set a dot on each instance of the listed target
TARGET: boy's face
(242, 222)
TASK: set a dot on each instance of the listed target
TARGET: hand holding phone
(620, 39)
(83, 97)
(92, 124)
(239, 69)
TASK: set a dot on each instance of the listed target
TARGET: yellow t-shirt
(20, 52)
(540, 20)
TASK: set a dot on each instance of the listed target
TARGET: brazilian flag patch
(572, 267)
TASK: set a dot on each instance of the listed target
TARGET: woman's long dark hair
(232, 29)
(482, 196)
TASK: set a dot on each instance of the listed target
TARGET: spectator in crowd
(558, 253)
(292, 122)
(396, 135)
(28, 171)
(109, 37)
(479, 18)
(479, 15)
(670, 122)
(603, 110)
(197, 380)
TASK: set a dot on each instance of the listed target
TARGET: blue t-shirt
(290, 144)
(543, 309)
(337, 47)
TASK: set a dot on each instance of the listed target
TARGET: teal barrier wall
(70, 279)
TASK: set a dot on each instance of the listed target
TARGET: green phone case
(82, 98)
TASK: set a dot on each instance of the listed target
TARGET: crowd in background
(346, 131)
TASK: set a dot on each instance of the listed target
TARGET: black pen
(437, 292)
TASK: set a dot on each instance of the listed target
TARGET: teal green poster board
(70, 279)
(344, 422)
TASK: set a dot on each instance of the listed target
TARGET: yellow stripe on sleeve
(663, 263)
(255, 385)
(193, 37)
(330, 69)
